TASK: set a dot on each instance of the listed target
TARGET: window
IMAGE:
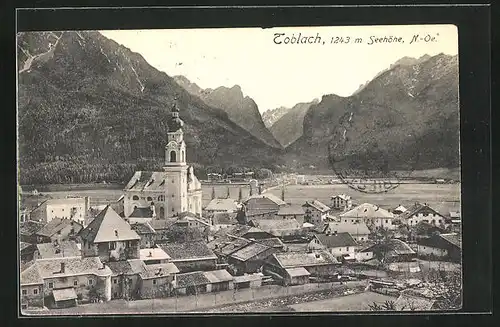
(51, 285)
(161, 198)
(154, 281)
(35, 291)
(173, 209)
(386, 221)
(135, 197)
(75, 283)
(25, 292)
(173, 195)
(115, 281)
(173, 156)
(150, 198)
(91, 282)
(347, 249)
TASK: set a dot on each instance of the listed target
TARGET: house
(371, 215)
(278, 227)
(338, 244)
(57, 250)
(154, 255)
(341, 202)
(27, 251)
(146, 232)
(274, 243)
(365, 254)
(68, 208)
(199, 282)
(157, 280)
(125, 279)
(110, 237)
(58, 229)
(424, 230)
(422, 212)
(399, 210)
(141, 215)
(315, 212)
(248, 281)
(191, 256)
(393, 250)
(222, 220)
(445, 246)
(61, 282)
(221, 205)
(291, 212)
(317, 263)
(358, 231)
(249, 258)
(265, 205)
(28, 230)
(243, 231)
(412, 302)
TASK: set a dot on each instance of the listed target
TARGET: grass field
(355, 302)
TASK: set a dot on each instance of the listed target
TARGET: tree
(386, 306)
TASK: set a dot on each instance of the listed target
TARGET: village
(158, 244)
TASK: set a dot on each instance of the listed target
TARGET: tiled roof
(49, 268)
(153, 254)
(29, 227)
(351, 228)
(272, 242)
(408, 302)
(236, 230)
(396, 246)
(159, 270)
(268, 196)
(400, 208)
(277, 225)
(295, 272)
(232, 246)
(260, 211)
(222, 205)
(302, 259)
(143, 228)
(224, 218)
(218, 276)
(317, 205)
(142, 213)
(188, 251)
(191, 279)
(249, 251)
(58, 224)
(63, 294)
(290, 210)
(147, 181)
(58, 250)
(367, 210)
(248, 278)
(125, 267)
(336, 240)
(415, 209)
(107, 227)
(453, 238)
(159, 224)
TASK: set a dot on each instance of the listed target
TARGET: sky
(276, 75)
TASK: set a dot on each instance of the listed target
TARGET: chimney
(150, 254)
(63, 268)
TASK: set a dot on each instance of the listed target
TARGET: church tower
(176, 169)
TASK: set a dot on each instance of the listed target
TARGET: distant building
(172, 191)
(278, 227)
(262, 204)
(199, 282)
(110, 238)
(291, 212)
(341, 202)
(448, 246)
(315, 212)
(147, 234)
(371, 215)
(358, 231)
(58, 230)
(222, 205)
(399, 210)
(69, 208)
(422, 213)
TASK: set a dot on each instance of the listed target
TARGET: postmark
(365, 165)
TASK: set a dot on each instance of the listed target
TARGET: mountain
(289, 127)
(241, 109)
(270, 116)
(405, 61)
(90, 108)
(408, 117)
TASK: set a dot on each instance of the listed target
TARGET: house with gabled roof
(28, 230)
(358, 231)
(291, 212)
(199, 282)
(58, 229)
(146, 232)
(371, 215)
(248, 258)
(338, 244)
(290, 266)
(392, 250)
(341, 202)
(262, 205)
(315, 212)
(227, 205)
(57, 250)
(110, 238)
(445, 246)
(422, 213)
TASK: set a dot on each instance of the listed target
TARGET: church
(170, 192)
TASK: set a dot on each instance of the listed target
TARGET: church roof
(108, 226)
(154, 181)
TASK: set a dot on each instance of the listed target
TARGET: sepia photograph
(239, 170)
